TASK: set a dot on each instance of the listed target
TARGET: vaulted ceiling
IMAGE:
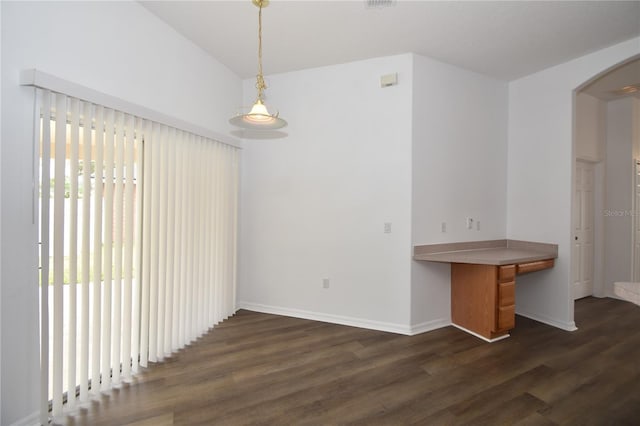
(503, 39)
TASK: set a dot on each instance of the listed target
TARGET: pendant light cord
(260, 85)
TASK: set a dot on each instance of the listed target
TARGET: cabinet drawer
(523, 268)
(507, 294)
(506, 317)
(506, 273)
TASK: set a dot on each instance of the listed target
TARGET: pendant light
(258, 118)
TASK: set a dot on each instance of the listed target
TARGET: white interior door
(583, 209)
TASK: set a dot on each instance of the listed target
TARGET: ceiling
(505, 40)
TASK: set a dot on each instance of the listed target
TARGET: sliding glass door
(138, 243)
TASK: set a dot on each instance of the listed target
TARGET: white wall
(114, 47)
(540, 174)
(413, 155)
(598, 225)
(314, 204)
(619, 184)
(590, 127)
(0, 221)
(459, 168)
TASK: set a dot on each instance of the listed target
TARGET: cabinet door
(474, 297)
(506, 298)
(506, 317)
(507, 294)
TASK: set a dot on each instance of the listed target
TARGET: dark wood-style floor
(266, 369)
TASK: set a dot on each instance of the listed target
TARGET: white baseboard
(32, 419)
(479, 336)
(344, 320)
(563, 325)
(429, 326)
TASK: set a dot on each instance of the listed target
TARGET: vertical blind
(138, 243)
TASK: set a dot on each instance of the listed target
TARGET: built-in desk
(483, 280)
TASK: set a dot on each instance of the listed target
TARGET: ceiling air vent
(374, 4)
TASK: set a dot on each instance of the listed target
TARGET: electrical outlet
(469, 223)
(478, 225)
(325, 283)
(387, 227)
(443, 227)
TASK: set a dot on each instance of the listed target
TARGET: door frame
(635, 223)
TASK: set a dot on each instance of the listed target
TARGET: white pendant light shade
(258, 118)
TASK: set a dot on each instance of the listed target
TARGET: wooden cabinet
(483, 297)
(483, 280)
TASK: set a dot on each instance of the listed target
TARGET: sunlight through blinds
(139, 235)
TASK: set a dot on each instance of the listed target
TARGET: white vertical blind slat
(177, 255)
(198, 239)
(216, 253)
(129, 221)
(44, 97)
(191, 276)
(224, 237)
(73, 250)
(154, 245)
(230, 201)
(97, 250)
(227, 236)
(118, 207)
(233, 229)
(137, 300)
(162, 241)
(58, 251)
(170, 243)
(233, 250)
(186, 264)
(197, 199)
(146, 242)
(220, 215)
(184, 228)
(108, 251)
(86, 251)
(218, 225)
(208, 317)
(202, 189)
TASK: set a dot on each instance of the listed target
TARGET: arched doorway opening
(606, 147)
